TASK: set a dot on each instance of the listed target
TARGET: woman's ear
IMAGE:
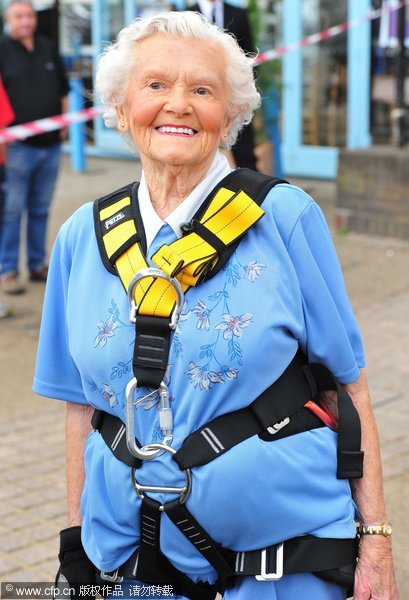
(227, 124)
(122, 120)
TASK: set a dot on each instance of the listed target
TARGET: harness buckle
(142, 488)
(158, 273)
(264, 575)
(111, 576)
(278, 426)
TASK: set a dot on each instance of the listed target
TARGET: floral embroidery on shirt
(209, 369)
(106, 330)
(109, 394)
(107, 327)
(253, 270)
(120, 369)
(233, 326)
(203, 314)
(176, 343)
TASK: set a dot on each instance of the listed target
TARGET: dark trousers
(2, 178)
(243, 150)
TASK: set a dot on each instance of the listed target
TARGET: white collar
(186, 209)
(207, 8)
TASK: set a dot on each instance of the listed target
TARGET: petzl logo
(113, 220)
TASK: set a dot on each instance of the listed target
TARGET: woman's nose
(178, 101)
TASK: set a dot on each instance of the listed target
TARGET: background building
(335, 94)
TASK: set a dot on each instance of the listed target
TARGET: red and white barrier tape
(315, 38)
(21, 132)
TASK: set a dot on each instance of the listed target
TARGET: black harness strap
(211, 550)
(149, 564)
(112, 430)
(282, 399)
(151, 350)
(303, 554)
(113, 433)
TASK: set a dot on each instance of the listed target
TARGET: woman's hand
(374, 576)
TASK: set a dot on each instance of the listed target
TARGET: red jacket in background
(6, 115)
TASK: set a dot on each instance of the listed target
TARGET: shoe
(12, 284)
(5, 310)
(39, 274)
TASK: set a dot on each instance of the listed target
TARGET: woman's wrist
(383, 528)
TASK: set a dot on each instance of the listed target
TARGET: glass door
(324, 69)
(325, 86)
(108, 18)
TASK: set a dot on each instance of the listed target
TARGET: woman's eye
(155, 85)
(202, 91)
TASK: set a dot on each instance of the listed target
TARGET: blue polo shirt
(281, 289)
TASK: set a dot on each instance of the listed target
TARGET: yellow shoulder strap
(228, 216)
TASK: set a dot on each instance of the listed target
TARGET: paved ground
(32, 507)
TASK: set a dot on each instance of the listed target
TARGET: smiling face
(176, 103)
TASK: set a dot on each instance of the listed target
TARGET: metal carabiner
(152, 272)
(165, 421)
(182, 491)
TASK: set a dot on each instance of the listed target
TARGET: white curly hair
(116, 61)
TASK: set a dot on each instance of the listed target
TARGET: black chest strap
(283, 401)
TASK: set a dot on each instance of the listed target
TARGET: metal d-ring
(182, 491)
(142, 453)
(152, 272)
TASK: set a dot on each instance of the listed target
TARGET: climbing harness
(156, 296)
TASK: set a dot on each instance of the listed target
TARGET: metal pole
(77, 132)
(398, 113)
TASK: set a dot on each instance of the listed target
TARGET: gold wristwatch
(384, 529)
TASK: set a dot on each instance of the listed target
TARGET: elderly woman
(213, 463)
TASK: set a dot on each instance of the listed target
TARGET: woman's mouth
(171, 129)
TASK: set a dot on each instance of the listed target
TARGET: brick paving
(32, 490)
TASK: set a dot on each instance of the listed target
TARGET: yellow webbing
(228, 216)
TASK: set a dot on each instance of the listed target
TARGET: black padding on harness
(151, 350)
(113, 433)
(282, 399)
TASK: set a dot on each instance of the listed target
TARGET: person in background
(34, 79)
(234, 20)
(6, 117)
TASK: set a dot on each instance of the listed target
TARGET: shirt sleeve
(56, 375)
(330, 334)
